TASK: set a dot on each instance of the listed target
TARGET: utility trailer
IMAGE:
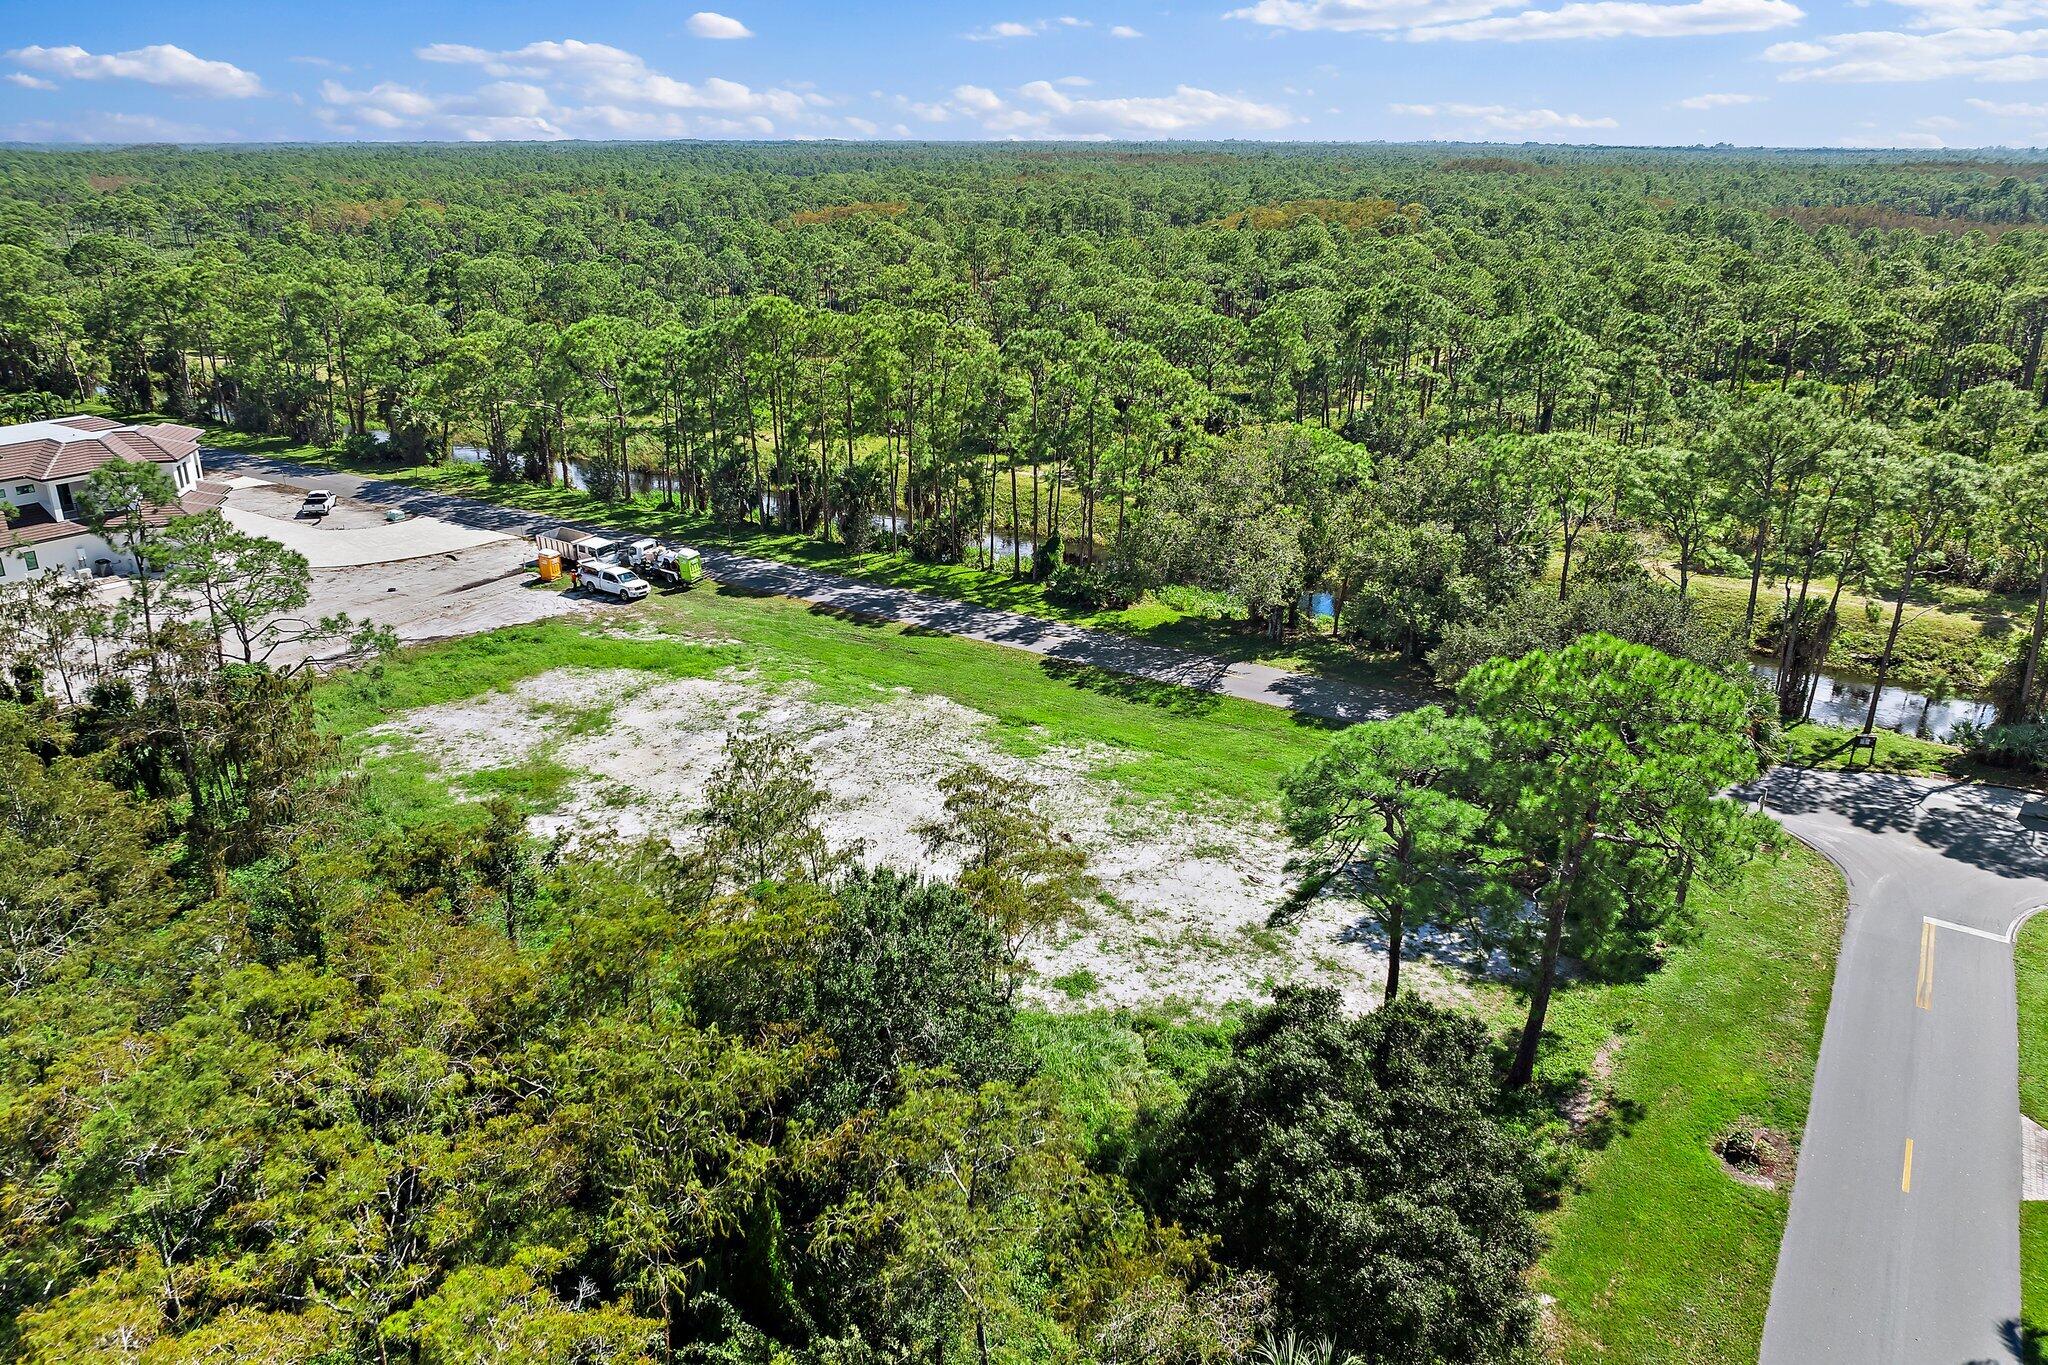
(676, 566)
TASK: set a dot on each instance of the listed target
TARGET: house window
(66, 501)
(29, 561)
(24, 488)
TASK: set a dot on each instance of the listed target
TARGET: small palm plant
(1294, 1350)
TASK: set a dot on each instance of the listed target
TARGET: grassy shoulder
(1659, 1253)
(2030, 964)
(1828, 749)
(1187, 621)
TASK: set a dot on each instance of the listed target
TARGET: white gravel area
(1188, 894)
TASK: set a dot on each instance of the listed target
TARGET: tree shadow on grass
(1177, 698)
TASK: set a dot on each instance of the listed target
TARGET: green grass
(1658, 1255)
(2030, 964)
(1114, 1065)
(2034, 1281)
(1155, 739)
(1807, 745)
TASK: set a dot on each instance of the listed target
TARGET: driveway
(350, 537)
(1903, 1240)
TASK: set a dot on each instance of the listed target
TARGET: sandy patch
(1188, 894)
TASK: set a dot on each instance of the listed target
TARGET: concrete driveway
(334, 543)
(1903, 1239)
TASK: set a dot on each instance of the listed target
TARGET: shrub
(1357, 1162)
(938, 540)
(1102, 586)
(2023, 748)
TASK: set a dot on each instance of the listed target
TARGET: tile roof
(33, 524)
(66, 447)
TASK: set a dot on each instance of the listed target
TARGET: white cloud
(862, 126)
(705, 24)
(1362, 16)
(1008, 28)
(1622, 19)
(1916, 141)
(606, 75)
(2002, 110)
(1946, 14)
(1017, 28)
(564, 89)
(1984, 54)
(115, 128)
(500, 111)
(1718, 101)
(160, 64)
(1513, 21)
(1042, 109)
(1124, 31)
(1498, 118)
(28, 82)
(1078, 82)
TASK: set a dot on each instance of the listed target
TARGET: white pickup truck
(613, 580)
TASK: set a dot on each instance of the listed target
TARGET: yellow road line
(1906, 1176)
(1923, 990)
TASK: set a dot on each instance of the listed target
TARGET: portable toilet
(550, 565)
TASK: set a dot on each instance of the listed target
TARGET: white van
(613, 580)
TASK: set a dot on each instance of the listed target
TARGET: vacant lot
(1188, 878)
(610, 722)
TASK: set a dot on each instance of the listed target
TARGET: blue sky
(1899, 73)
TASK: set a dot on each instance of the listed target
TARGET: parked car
(613, 580)
(318, 503)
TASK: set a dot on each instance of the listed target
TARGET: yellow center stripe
(1906, 1176)
(1923, 990)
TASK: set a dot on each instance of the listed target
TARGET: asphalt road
(1903, 1240)
(1322, 697)
(1902, 1245)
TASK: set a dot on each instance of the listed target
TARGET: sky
(1800, 73)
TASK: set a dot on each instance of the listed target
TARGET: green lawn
(2030, 962)
(1659, 1255)
(1808, 745)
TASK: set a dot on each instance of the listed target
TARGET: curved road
(1903, 1240)
(1892, 1255)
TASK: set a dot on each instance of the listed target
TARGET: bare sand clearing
(1187, 894)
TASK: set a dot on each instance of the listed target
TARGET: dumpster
(550, 565)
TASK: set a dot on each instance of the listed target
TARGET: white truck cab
(613, 580)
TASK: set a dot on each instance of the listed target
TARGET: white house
(43, 463)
